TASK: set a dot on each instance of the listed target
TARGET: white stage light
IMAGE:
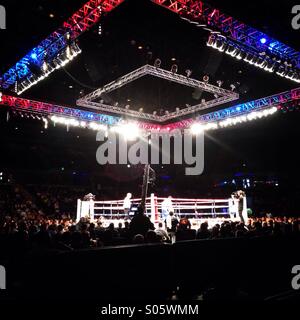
(196, 128)
(97, 126)
(130, 131)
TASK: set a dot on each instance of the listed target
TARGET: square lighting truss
(222, 95)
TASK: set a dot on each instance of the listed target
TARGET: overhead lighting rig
(48, 67)
(94, 100)
(262, 60)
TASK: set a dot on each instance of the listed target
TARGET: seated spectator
(152, 237)
(240, 230)
(184, 231)
(162, 232)
(203, 232)
(215, 232)
(124, 232)
(59, 234)
(138, 239)
(92, 231)
(140, 223)
(113, 231)
(85, 237)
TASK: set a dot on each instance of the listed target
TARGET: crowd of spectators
(45, 220)
(39, 231)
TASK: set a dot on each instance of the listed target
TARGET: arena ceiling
(129, 33)
(135, 33)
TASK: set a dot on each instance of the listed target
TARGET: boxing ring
(197, 210)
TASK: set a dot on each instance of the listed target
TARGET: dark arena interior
(76, 226)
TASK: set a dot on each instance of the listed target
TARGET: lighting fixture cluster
(249, 117)
(198, 127)
(71, 122)
(28, 115)
(132, 130)
(43, 71)
(129, 130)
(261, 60)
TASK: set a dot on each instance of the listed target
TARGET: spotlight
(174, 68)
(250, 57)
(206, 78)
(149, 56)
(219, 83)
(263, 40)
(211, 40)
(239, 56)
(157, 63)
(130, 131)
(34, 56)
(232, 50)
(44, 66)
(188, 73)
(196, 128)
(141, 109)
(233, 87)
(97, 127)
(45, 123)
(281, 71)
(220, 43)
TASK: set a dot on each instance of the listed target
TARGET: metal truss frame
(254, 105)
(47, 109)
(204, 15)
(224, 95)
(78, 23)
(195, 11)
(242, 109)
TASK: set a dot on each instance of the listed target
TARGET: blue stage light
(33, 56)
(263, 40)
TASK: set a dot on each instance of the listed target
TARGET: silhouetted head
(138, 239)
(151, 236)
